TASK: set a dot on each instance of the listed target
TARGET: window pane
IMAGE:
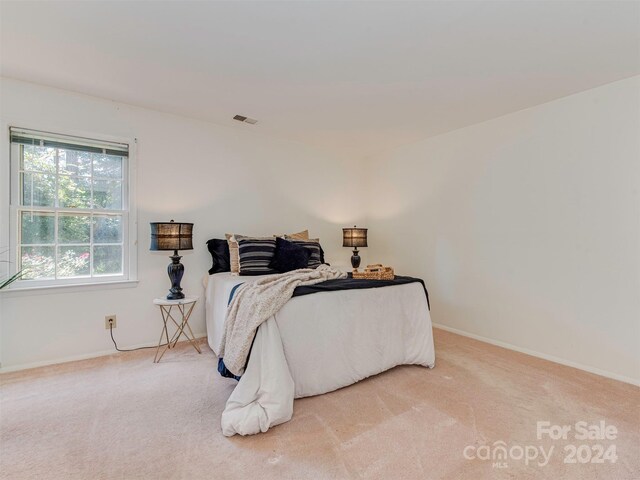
(38, 189)
(107, 194)
(107, 229)
(107, 166)
(107, 260)
(73, 261)
(73, 162)
(71, 217)
(37, 262)
(39, 159)
(74, 228)
(37, 227)
(74, 192)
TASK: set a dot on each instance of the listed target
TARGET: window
(70, 208)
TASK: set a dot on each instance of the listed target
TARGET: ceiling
(353, 77)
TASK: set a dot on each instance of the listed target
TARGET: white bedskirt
(318, 343)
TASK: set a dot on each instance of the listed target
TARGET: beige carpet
(122, 417)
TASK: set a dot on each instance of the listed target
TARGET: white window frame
(129, 215)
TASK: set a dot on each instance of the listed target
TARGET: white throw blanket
(254, 303)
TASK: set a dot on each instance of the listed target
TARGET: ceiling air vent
(242, 118)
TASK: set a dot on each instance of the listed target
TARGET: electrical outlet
(110, 321)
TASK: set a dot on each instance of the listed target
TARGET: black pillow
(316, 259)
(289, 256)
(219, 250)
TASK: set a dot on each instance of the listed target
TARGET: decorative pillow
(289, 256)
(255, 254)
(219, 250)
(234, 258)
(235, 255)
(304, 235)
(313, 245)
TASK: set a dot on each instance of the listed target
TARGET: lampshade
(354, 237)
(171, 236)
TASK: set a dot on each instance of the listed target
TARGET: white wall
(527, 227)
(222, 179)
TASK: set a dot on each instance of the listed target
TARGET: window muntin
(70, 204)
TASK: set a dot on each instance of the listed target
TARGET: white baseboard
(544, 356)
(74, 358)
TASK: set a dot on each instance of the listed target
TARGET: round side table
(168, 309)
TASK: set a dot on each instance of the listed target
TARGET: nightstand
(170, 309)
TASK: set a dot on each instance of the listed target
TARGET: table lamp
(354, 237)
(172, 236)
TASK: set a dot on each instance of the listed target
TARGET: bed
(318, 343)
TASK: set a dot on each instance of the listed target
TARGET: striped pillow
(255, 255)
(234, 255)
(313, 245)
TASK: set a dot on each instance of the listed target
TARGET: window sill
(70, 288)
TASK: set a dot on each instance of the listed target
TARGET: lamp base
(355, 259)
(175, 295)
(175, 271)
